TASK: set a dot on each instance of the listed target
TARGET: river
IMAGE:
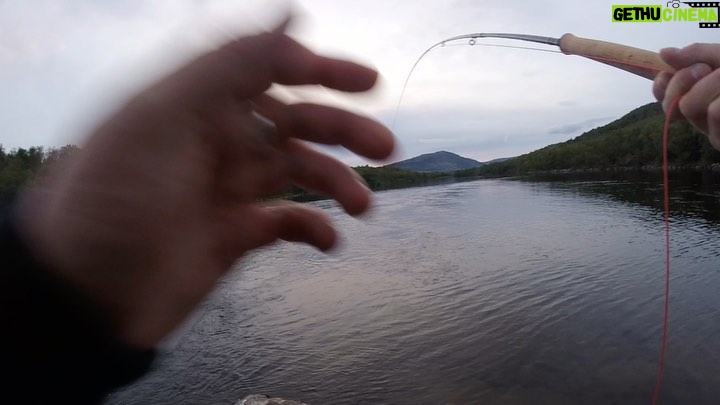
(541, 291)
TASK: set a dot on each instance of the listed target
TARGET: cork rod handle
(634, 60)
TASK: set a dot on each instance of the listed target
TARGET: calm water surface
(486, 292)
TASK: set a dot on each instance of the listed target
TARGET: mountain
(436, 162)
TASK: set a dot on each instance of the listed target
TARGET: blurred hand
(163, 197)
(697, 80)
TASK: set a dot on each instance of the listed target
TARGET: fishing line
(444, 44)
(666, 207)
(633, 60)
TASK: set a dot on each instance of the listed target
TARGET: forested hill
(436, 162)
(633, 141)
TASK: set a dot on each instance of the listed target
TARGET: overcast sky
(65, 64)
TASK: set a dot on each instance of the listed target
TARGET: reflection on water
(692, 193)
(502, 292)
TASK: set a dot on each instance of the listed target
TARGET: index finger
(692, 54)
(682, 81)
(329, 125)
(246, 67)
(660, 85)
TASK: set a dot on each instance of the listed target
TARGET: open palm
(164, 196)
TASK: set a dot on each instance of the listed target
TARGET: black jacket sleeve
(55, 346)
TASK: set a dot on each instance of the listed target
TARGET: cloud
(64, 63)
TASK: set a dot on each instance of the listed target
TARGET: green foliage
(21, 166)
(633, 141)
(385, 178)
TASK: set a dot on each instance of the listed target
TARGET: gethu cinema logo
(706, 13)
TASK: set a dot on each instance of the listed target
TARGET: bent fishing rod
(634, 60)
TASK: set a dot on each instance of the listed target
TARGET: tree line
(20, 166)
(632, 142)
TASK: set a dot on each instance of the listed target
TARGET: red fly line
(666, 194)
(666, 209)
(666, 201)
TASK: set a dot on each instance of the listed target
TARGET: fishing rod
(634, 60)
(638, 61)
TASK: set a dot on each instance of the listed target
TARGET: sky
(65, 65)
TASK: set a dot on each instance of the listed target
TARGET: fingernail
(700, 70)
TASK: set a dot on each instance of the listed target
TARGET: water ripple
(483, 292)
